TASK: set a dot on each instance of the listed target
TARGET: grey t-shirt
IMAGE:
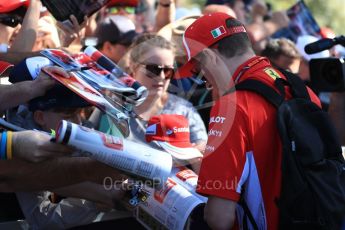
(174, 105)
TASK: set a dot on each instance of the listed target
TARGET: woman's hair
(280, 47)
(145, 43)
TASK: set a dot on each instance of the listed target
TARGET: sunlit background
(328, 13)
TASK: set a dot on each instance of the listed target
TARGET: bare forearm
(21, 92)
(16, 57)
(9, 96)
(17, 175)
(220, 213)
(165, 13)
(27, 35)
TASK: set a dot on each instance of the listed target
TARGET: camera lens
(332, 74)
(327, 74)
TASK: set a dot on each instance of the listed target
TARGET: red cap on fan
(133, 3)
(11, 5)
(171, 132)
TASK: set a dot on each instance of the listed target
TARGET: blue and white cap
(28, 69)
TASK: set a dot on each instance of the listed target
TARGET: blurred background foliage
(329, 13)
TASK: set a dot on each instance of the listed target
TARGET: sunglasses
(156, 70)
(127, 9)
(10, 20)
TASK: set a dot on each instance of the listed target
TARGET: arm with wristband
(30, 161)
(30, 146)
(6, 145)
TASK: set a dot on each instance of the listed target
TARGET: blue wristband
(3, 146)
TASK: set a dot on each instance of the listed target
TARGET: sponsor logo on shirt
(272, 73)
(217, 119)
(215, 133)
(209, 148)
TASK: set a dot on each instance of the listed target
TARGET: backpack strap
(297, 86)
(247, 214)
(262, 89)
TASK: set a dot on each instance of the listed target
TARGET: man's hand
(71, 33)
(36, 146)
(46, 36)
(44, 82)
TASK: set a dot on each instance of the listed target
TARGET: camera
(327, 74)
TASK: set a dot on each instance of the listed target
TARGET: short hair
(280, 47)
(231, 3)
(235, 44)
(145, 43)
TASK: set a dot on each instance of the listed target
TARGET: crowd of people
(189, 65)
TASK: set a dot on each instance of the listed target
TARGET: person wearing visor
(114, 35)
(243, 152)
(126, 8)
(121, 10)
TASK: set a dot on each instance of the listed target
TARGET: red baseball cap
(171, 132)
(133, 3)
(10, 5)
(4, 66)
(205, 32)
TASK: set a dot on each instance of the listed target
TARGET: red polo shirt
(244, 147)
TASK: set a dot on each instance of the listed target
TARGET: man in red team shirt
(244, 151)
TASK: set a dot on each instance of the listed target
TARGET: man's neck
(234, 62)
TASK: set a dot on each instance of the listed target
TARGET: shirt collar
(250, 66)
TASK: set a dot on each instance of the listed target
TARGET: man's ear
(39, 118)
(107, 47)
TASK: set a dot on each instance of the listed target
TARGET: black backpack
(313, 168)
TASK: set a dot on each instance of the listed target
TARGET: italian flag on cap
(218, 32)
